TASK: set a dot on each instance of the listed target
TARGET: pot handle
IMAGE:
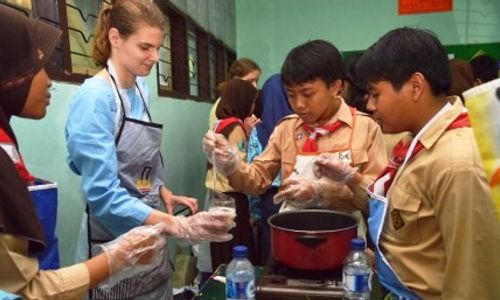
(310, 241)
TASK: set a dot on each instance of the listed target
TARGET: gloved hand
(329, 165)
(220, 153)
(203, 226)
(133, 252)
(322, 192)
(301, 192)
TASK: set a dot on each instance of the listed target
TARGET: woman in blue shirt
(114, 145)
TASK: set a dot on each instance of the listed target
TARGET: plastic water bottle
(240, 276)
(357, 275)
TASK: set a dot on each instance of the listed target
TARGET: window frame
(59, 67)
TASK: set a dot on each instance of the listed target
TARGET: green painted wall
(267, 29)
(43, 145)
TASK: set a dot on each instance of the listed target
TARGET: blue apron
(388, 278)
(378, 205)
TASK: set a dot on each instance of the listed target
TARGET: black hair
(317, 59)
(484, 68)
(356, 93)
(400, 53)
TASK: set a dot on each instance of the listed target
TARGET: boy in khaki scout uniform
(323, 122)
(432, 219)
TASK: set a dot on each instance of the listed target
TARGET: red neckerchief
(314, 132)
(399, 152)
(221, 124)
(20, 166)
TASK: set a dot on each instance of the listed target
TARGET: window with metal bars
(212, 70)
(81, 20)
(71, 59)
(192, 62)
(165, 76)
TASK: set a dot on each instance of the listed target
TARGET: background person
(353, 92)
(485, 68)
(275, 106)
(462, 77)
(245, 69)
(237, 103)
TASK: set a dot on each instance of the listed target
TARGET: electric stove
(285, 283)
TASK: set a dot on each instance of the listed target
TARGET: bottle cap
(240, 251)
(357, 244)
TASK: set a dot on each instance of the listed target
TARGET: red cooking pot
(312, 239)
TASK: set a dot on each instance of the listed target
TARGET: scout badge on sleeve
(483, 105)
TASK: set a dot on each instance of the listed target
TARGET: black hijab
(237, 99)
(26, 46)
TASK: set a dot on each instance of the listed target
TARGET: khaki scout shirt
(238, 140)
(367, 146)
(20, 274)
(441, 234)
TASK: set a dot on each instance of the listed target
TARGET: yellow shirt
(367, 146)
(20, 274)
(448, 246)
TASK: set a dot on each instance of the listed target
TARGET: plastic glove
(203, 226)
(136, 251)
(329, 165)
(209, 141)
(322, 192)
(301, 192)
(220, 153)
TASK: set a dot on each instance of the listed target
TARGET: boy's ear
(416, 85)
(336, 87)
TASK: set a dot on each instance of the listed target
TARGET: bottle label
(240, 290)
(357, 283)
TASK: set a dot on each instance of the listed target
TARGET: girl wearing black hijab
(237, 103)
(26, 46)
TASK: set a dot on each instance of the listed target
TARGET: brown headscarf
(237, 99)
(26, 46)
(462, 77)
